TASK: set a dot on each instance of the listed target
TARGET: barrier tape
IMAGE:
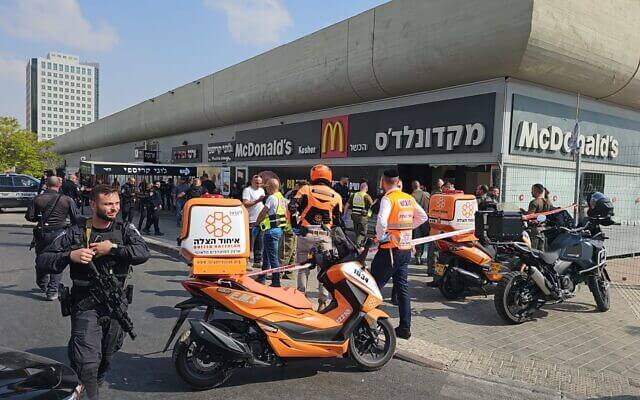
(284, 268)
(556, 211)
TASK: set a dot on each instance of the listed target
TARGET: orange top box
(452, 211)
(215, 236)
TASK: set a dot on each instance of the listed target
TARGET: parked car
(28, 376)
(17, 190)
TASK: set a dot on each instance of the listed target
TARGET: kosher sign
(282, 142)
(463, 125)
(542, 128)
(141, 169)
(220, 151)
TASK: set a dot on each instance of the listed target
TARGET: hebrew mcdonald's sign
(334, 139)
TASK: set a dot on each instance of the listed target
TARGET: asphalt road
(141, 371)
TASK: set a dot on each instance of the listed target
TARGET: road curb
(163, 248)
(414, 358)
(5, 225)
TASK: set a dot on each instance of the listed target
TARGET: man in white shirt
(252, 198)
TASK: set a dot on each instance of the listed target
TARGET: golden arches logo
(333, 132)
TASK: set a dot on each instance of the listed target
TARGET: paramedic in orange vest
(313, 206)
(399, 215)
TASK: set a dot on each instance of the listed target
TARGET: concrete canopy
(402, 47)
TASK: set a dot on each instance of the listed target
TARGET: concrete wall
(402, 47)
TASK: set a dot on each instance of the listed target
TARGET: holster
(66, 303)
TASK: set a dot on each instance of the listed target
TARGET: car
(17, 190)
(28, 376)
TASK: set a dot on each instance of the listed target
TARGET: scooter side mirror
(541, 218)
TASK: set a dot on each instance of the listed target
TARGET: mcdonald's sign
(334, 139)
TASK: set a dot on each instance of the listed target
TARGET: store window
(591, 182)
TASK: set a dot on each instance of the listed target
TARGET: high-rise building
(62, 94)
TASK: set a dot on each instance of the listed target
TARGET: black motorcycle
(577, 255)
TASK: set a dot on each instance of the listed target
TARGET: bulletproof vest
(128, 192)
(116, 235)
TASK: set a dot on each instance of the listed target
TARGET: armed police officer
(112, 247)
(127, 198)
(50, 210)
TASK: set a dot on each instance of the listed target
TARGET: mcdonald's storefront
(451, 139)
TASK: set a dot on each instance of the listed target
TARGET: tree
(20, 149)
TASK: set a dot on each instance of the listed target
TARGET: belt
(317, 232)
(80, 283)
(53, 228)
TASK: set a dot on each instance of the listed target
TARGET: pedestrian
(289, 238)
(207, 183)
(399, 215)
(112, 245)
(313, 207)
(70, 188)
(168, 194)
(181, 193)
(163, 189)
(116, 184)
(485, 202)
(272, 217)
(448, 186)
(342, 188)
(154, 205)
(422, 199)
(494, 193)
(539, 204)
(252, 198)
(50, 211)
(360, 205)
(195, 190)
(142, 196)
(127, 199)
(437, 187)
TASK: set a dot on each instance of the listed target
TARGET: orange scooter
(279, 324)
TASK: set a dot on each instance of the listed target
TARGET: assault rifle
(105, 289)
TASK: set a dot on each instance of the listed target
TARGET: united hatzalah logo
(218, 224)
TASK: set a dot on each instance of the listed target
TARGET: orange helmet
(321, 171)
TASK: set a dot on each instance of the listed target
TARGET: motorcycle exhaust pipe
(469, 276)
(219, 340)
(538, 278)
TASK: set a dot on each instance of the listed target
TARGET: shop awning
(116, 168)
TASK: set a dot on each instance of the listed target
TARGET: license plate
(440, 269)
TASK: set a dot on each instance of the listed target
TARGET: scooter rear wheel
(197, 366)
(370, 348)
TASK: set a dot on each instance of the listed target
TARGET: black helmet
(600, 206)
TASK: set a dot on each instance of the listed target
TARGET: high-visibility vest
(321, 200)
(359, 205)
(400, 223)
(279, 219)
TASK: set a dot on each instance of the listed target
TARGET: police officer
(50, 210)
(313, 206)
(127, 198)
(360, 204)
(485, 202)
(399, 215)
(112, 245)
(273, 218)
(154, 205)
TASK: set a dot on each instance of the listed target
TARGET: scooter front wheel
(197, 366)
(370, 348)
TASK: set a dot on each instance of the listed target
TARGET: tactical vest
(128, 191)
(321, 200)
(360, 205)
(79, 272)
(400, 223)
(279, 219)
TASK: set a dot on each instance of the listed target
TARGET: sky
(147, 47)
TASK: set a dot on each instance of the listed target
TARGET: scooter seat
(286, 295)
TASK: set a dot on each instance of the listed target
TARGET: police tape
(529, 217)
(284, 268)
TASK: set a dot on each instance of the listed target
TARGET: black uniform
(127, 196)
(50, 210)
(142, 196)
(69, 188)
(154, 203)
(95, 335)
